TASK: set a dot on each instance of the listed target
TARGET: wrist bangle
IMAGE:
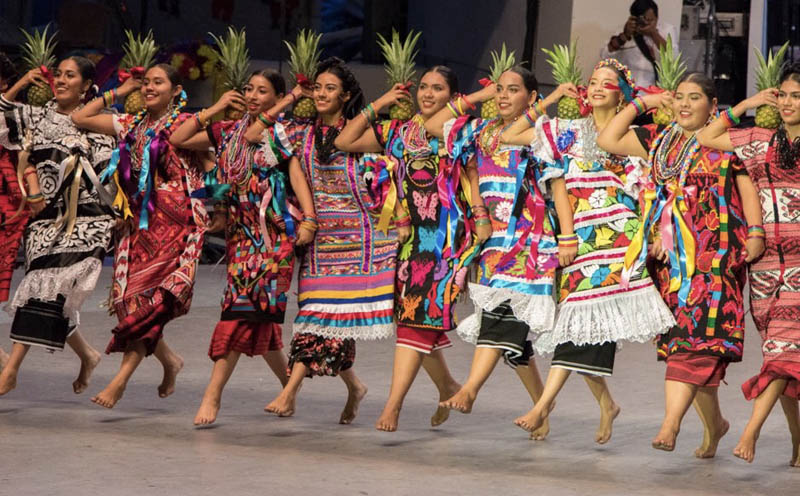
(756, 231)
(567, 239)
(484, 221)
(470, 105)
(35, 198)
(28, 172)
(731, 119)
(266, 119)
(639, 105)
(294, 98)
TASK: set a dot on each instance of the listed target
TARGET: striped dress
(346, 281)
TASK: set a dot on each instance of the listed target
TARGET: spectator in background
(637, 45)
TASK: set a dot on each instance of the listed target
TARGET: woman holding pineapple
(346, 277)
(437, 242)
(697, 206)
(71, 217)
(259, 230)
(595, 308)
(159, 242)
(517, 264)
(771, 157)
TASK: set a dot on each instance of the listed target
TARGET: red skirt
(771, 370)
(244, 336)
(422, 340)
(145, 324)
(699, 370)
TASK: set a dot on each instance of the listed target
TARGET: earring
(620, 104)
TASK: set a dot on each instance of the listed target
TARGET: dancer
(437, 244)
(159, 245)
(704, 201)
(12, 219)
(69, 231)
(513, 296)
(597, 305)
(347, 273)
(259, 246)
(771, 157)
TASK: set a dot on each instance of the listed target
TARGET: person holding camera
(638, 44)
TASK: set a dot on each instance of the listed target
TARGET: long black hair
(787, 152)
(337, 67)
(88, 71)
(640, 8)
(528, 78)
(275, 79)
(8, 73)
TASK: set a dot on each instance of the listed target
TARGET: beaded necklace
(489, 137)
(323, 142)
(663, 169)
(236, 167)
(415, 138)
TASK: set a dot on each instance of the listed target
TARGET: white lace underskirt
(75, 283)
(538, 311)
(378, 330)
(638, 315)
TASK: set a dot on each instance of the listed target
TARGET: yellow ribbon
(635, 247)
(121, 200)
(391, 199)
(679, 208)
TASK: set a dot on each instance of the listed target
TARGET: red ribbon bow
(583, 101)
(302, 80)
(135, 72)
(49, 77)
(407, 86)
(485, 82)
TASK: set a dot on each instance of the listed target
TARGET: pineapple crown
(304, 54)
(670, 68)
(38, 48)
(234, 57)
(768, 72)
(139, 52)
(564, 61)
(501, 62)
(399, 56)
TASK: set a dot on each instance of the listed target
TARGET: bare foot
(711, 440)
(354, 396)
(109, 396)
(3, 359)
(746, 448)
(666, 437)
(282, 406)
(461, 401)
(541, 433)
(607, 416)
(207, 413)
(533, 420)
(171, 369)
(8, 381)
(387, 422)
(87, 367)
(795, 461)
(442, 413)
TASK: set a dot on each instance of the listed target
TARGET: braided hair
(337, 67)
(8, 73)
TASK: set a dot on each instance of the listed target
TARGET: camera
(641, 21)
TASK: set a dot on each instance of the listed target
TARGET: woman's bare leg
(276, 360)
(762, 406)
(212, 398)
(608, 407)
(436, 367)
(535, 419)
(283, 404)
(406, 365)
(8, 377)
(172, 363)
(529, 375)
(131, 359)
(791, 409)
(89, 356)
(356, 390)
(677, 398)
(483, 362)
(3, 358)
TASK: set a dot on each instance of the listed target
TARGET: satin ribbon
(302, 80)
(51, 81)
(485, 82)
(407, 86)
(391, 198)
(583, 101)
(134, 72)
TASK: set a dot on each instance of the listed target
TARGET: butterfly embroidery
(427, 239)
(419, 271)
(426, 204)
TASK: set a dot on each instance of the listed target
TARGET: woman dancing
(699, 204)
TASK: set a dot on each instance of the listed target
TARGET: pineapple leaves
(138, 51)
(564, 61)
(400, 65)
(234, 57)
(304, 54)
(38, 48)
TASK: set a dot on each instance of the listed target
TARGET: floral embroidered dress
(346, 281)
(594, 307)
(66, 243)
(259, 243)
(12, 224)
(707, 302)
(517, 264)
(433, 262)
(775, 277)
(155, 261)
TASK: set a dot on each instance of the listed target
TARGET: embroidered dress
(11, 224)
(64, 244)
(594, 309)
(346, 281)
(154, 266)
(517, 263)
(259, 243)
(433, 262)
(704, 280)
(775, 277)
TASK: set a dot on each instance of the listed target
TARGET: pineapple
(235, 62)
(303, 59)
(563, 60)
(400, 68)
(37, 52)
(500, 63)
(138, 53)
(669, 70)
(768, 75)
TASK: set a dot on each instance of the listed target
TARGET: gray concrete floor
(55, 442)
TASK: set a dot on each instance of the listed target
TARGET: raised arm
(34, 76)
(357, 135)
(617, 137)
(522, 131)
(752, 214)
(435, 125)
(90, 116)
(716, 135)
(191, 134)
(266, 119)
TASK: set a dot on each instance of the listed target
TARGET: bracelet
(28, 172)
(756, 231)
(110, 97)
(311, 226)
(639, 105)
(369, 113)
(730, 118)
(36, 198)
(483, 221)
(294, 98)
(535, 111)
(567, 239)
(266, 119)
(404, 216)
(198, 119)
(403, 221)
(308, 218)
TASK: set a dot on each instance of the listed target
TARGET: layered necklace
(237, 152)
(665, 170)
(415, 138)
(323, 141)
(787, 152)
(142, 137)
(489, 137)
